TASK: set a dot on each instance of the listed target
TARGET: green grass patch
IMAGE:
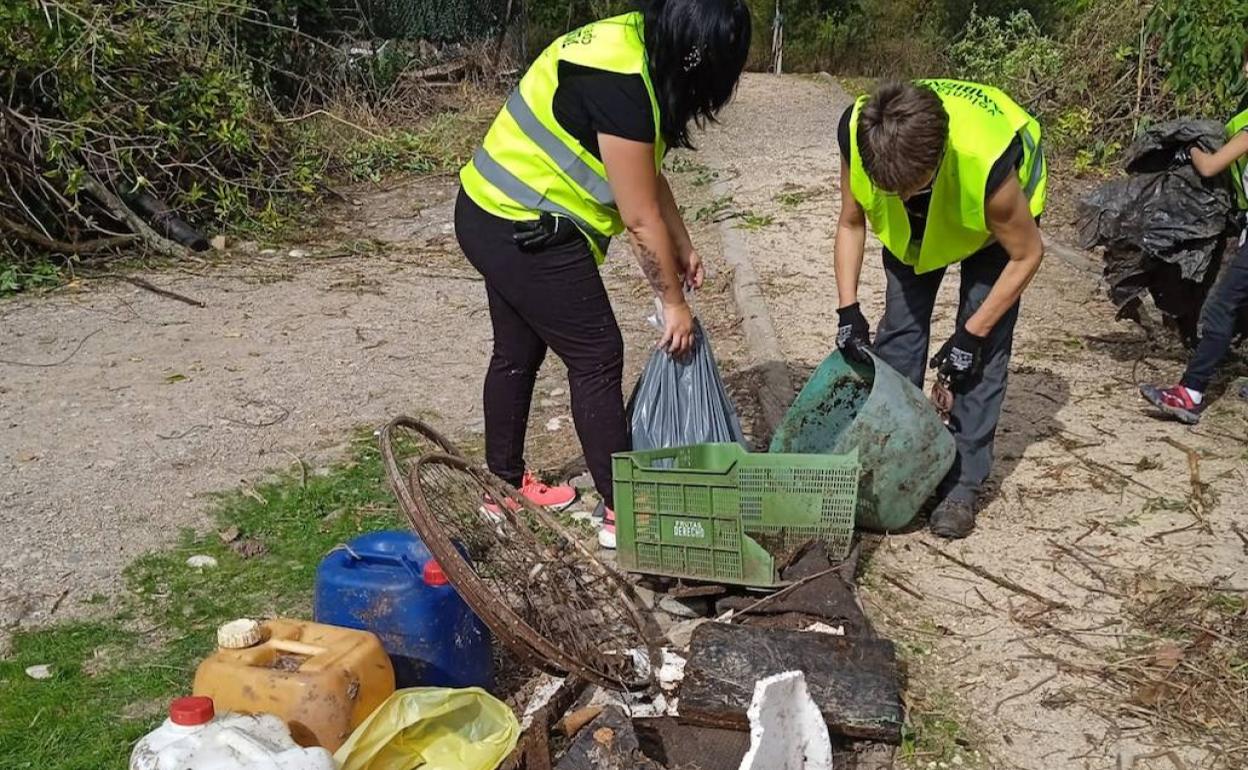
(793, 196)
(754, 222)
(112, 677)
(717, 210)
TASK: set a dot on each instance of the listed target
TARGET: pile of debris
(649, 672)
(797, 679)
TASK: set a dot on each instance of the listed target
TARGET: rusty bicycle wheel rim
(506, 623)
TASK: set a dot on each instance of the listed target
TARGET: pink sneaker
(535, 491)
(606, 535)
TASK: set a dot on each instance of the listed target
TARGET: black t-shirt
(916, 208)
(591, 101)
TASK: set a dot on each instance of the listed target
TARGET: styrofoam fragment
(787, 731)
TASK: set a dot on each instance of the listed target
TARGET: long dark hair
(696, 51)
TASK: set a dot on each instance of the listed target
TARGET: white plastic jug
(195, 738)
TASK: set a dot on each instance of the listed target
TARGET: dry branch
(1003, 582)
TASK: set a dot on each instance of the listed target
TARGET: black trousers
(1217, 321)
(553, 298)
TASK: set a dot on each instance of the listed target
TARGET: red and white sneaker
(555, 498)
(1175, 401)
(606, 535)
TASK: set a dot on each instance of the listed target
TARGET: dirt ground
(142, 407)
(1090, 492)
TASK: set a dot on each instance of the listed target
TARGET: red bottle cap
(433, 574)
(189, 712)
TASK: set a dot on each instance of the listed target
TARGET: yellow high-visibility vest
(983, 121)
(1240, 167)
(530, 164)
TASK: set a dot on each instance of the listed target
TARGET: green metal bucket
(904, 448)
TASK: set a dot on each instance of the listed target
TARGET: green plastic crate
(719, 513)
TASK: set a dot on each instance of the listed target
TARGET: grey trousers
(903, 341)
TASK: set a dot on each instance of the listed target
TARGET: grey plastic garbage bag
(678, 402)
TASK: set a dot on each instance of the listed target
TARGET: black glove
(959, 361)
(545, 231)
(853, 334)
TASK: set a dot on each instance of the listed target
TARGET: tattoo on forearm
(651, 267)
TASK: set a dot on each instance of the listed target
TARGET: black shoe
(954, 518)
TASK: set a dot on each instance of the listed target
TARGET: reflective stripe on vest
(528, 163)
(1240, 167)
(983, 121)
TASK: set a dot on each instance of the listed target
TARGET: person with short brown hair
(946, 172)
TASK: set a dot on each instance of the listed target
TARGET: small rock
(678, 608)
(267, 252)
(547, 402)
(296, 253)
(201, 562)
(557, 392)
(249, 548)
(680, 634)
(218, 242)
(646, 596)
(554, 423)
(43, 671)
(583, 481)
(229, 534)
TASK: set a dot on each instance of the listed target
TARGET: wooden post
(777, 40)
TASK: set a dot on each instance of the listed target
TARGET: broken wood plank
(854, 681)
(607, 743)
(673, 744)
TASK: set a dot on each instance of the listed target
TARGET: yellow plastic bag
(433, 728)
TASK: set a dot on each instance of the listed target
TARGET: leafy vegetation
(227, 114)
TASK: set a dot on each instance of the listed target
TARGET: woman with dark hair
(574, 158)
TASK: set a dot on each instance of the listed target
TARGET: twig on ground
(1072, 553)
(731, 615)
(1168, 754)
(1198, 500)
(903, 587)
(1240, 534)
(303, 468)
(182, 434)
(1003, 582)
(149, 286)
(1028, 691)
(72, 353)
(263, 423)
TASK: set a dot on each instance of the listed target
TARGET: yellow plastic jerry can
(322, 680)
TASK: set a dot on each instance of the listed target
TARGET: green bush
(1011, 53)
(1201, 48)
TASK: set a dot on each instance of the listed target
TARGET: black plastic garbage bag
(1164, 228)
(678, 402)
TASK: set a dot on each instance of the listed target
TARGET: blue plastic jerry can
(388, 583)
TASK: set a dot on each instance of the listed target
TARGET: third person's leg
(1217, 322)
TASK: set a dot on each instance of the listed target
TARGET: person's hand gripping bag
(679, 402)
